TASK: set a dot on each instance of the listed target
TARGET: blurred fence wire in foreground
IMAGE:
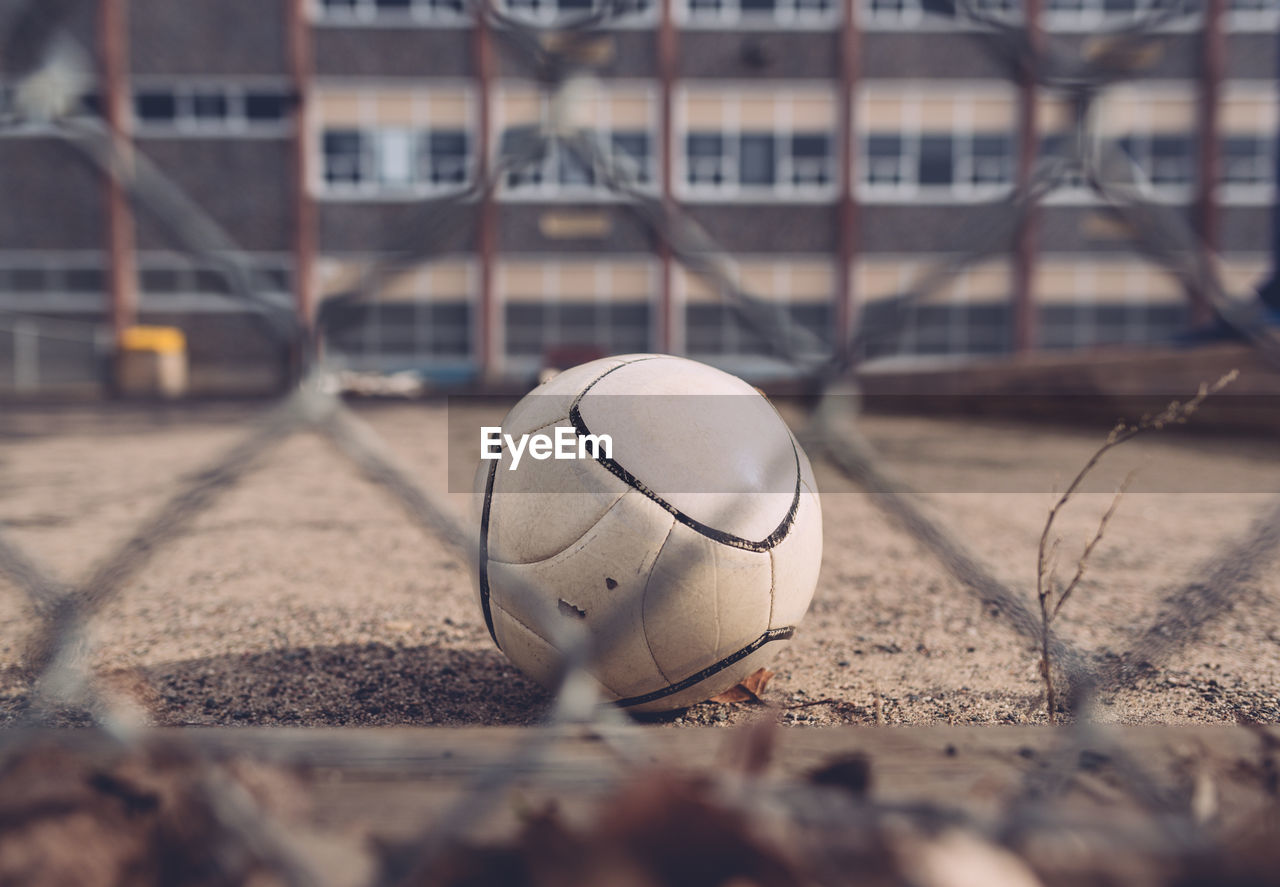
(60, 666)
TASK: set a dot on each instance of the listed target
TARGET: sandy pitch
(305, 598)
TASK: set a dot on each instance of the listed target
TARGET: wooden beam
(487, 356)
(1207, 222)
(846, 178)
(304, 209)
(1024, 256)
(668, 55)
(113, 46)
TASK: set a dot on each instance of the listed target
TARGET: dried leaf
(749, 689)
(851, 772)
(751, 748)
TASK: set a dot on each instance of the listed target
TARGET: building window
(1164, 159)
(402, 331)
(391, 159)
(992, 159)
(391, 11)
(1083, 303)
(589, 306)
(162, 279)
(1084, 325)
(720, 328)
(534, 329)
(423, 317)
(211, 109)
(781, 13)
(1075, 15)
(560, 171)
(907, 13)
(798, 296)
(551, 12)
(954, 328)
(904, 13)
(707, 158)
(937, 164)
(886, 162)
(966, 314)
(1253, 15)
(614, 124)
(1247, 159)
(756, 143)
(53, 283)
(758, 161)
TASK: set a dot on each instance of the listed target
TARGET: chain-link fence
(60, 668)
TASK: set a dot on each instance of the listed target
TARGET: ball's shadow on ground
(348, 685)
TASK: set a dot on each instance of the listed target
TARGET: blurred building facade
(836, 149)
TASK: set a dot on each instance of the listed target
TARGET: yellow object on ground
(160, 339)
(152, 362)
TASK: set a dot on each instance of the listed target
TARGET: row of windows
(801, 13)
(384, 160)
(196, 108)
(715, 160)
(160, 278)
(211, 108)
(426, 329)
(395, 158)
(1066, 15)
(987, 329)
(531, 330)
(560, 167)
(895, 161)
(534, 328)
(1057, 14)
(607, 305)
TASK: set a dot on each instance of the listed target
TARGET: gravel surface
(303, 597)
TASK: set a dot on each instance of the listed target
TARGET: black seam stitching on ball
(773, 634)
(644, 597)
(773, 585)
(765, 544)
(484, 552)
(529, 628)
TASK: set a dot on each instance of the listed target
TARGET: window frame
(732, 332)
(912, 134)
(784, 188)
(367, 14)
(548, 188)
(1261, 192)
(787, 15)
(549, 296)
(371, 354)
(369, 127)
(553, 17)
(55, 294)
(234, 123)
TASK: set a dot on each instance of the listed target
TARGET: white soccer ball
(688, 550)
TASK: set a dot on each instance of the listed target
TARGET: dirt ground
(303, 597)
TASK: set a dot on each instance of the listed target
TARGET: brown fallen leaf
(851, 772)
(659, 830)
(749, 689)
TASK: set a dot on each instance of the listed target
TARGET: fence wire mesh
(60, 672)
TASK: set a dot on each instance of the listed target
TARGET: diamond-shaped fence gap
(73, 494)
